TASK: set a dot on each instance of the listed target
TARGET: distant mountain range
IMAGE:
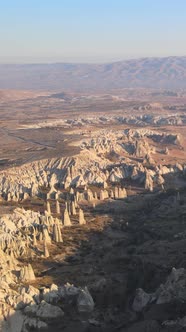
(166, 73)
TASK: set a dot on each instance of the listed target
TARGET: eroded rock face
(90, 167)
(58, 211)
(173, 290)
(149, 185)
(85, 302)
(166, 305)
(26, 309)
(142, 149)
(48, 208)
(73, 208)
(45, 250)
(142, 120)
(141, 300)
(44, 311)
(82, 220)
(67, 221)
(27, 273)
(57, 236)
(30, 234)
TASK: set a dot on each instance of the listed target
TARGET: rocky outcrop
(82, 220)
(66, 219)
(73, 209)
(57, 237)
(30, 309)
(149, 185)
(173, 290)
(142, 148)
(85, 302)
(48, 207)
(57, 207)
(90, 167)
(27, 273)
(44, 311)
(45, 249)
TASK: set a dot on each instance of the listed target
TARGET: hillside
(167, 73)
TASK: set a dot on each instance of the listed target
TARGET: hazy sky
(90, 30)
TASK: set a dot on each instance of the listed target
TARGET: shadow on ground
(126, 244)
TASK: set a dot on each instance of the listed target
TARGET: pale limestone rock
(75, 203)
(45, 249)
(67, 221)
(48, 208)
(73, 208)
(50, 220)
(51, 295)
(40, 237)
(95, 196)
(106, 194)
(142, 148)
(116, 192)
(27, 273)
(105, 185)
(34, 189)
(53, 180)
(71, 191)
(34, 238)
(57, 195)
(9, 197)
(44, 311)
(57, 237)
(122, 193)
(82, 220)
(179, 167)
(25, 196)
(67, 182)
(111, 194)
(48, 196)
(45, 235)
(166, 151)
(57, 207)
(148, 160)
(15, 322)
(113, 178)
(148, 182)
(102, 195)
(160, 180)
(90, 196)
(77, 196)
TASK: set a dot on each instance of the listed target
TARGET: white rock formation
(57, 207)
(27, 273)
(66, 219)
(45, 249)
(48, 207)
(57, 237)
(82, 220)
(73, 208)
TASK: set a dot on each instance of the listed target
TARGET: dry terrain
(162, 73)
(93, 194)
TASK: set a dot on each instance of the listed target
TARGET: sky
(90, 30)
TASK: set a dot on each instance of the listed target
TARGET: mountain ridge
(153, 72)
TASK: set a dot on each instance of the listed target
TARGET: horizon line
(91, 62)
